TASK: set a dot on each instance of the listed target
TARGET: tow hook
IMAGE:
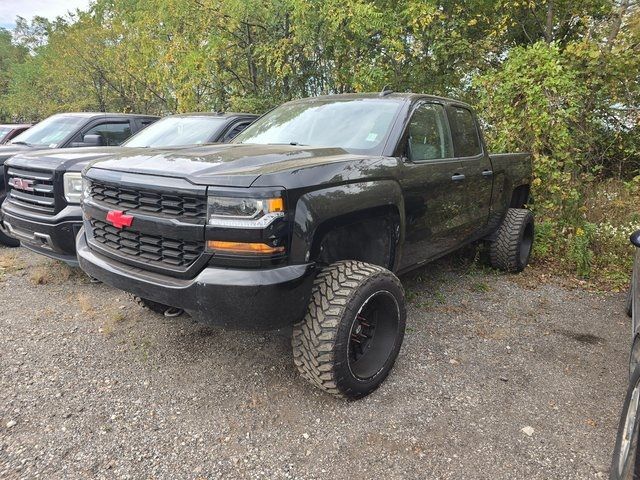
(173, 312)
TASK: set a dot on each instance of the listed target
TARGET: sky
(10, 9)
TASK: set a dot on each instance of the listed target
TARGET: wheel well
(520, 196)
(368, 236)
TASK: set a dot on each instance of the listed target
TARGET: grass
(9, 262)
(114, 319)
(55, 273)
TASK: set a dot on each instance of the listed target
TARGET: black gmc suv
(305, 220)
(42, 208)
(67, 130)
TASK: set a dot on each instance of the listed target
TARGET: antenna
(385, 91)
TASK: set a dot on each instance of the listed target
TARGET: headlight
(230, 212)
(72, 187)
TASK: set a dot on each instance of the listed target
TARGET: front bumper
(239, 299)
(53, 236)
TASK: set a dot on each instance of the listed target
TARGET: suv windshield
(51, 131)
(177, 131)
(357, 125)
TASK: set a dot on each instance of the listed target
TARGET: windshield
(357, 125)
(4, 131)
(51, 131)
(177, 131)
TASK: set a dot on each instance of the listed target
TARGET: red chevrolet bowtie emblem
(119, 219)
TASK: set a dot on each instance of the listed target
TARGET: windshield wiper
(20, 142)
(295, 144)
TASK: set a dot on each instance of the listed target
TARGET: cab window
(465, 132)
(235, 131)
(429, 137)
(113, 133)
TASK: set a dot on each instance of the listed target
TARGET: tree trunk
(548, 33)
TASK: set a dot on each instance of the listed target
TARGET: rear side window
(429, 137)
(112, 133)
(464, 132)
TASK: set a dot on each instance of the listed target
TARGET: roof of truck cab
(105, 114)
(386, 96)
(214, 114)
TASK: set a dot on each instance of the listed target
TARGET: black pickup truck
(42, 208)
(69, 130)
(305, 220)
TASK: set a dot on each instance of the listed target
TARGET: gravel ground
(93, 386)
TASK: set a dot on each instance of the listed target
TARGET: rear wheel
(158, 307)
(8, 241)
(510, 250)
(349, 340)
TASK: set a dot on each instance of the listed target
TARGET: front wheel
(351, 335)
(8, 241)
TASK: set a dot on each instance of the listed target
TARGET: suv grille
(191, 207)
(155, 249)
(31, 189)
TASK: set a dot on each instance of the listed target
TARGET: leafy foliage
(558, 78)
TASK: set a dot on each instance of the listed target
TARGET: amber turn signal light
(241, 247)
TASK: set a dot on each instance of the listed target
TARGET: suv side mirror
(635, 238)
(93, 141)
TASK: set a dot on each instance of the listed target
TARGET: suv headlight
(230, 212)
(72, 187)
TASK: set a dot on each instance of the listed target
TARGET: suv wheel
(351, 335)
(510, 250)
(8, 241)
(158, 307)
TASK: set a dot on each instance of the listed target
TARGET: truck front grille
(184, 206)
(33, 189)
(152, 249)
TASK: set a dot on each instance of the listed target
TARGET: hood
(66, 159)
(9, 150)
(224, 165)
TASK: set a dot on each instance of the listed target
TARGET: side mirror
(93, 141)
(635, 238)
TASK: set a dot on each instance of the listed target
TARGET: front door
(433, 187)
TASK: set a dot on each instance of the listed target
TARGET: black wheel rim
(373, 335)
(526, 244)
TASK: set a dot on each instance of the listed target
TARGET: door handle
(458, 177)
(487, 173)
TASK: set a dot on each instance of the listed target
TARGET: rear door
(475, 168)
(431, 185)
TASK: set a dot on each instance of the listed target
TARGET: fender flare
(316, 211)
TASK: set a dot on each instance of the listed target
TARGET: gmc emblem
(21, 184)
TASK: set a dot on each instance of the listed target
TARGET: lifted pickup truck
(68, 130)
(305, 220)
(42, 208)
